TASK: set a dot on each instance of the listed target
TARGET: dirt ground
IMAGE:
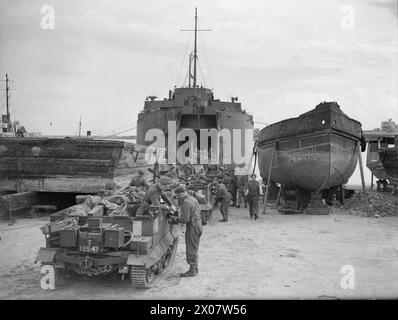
(278, 256)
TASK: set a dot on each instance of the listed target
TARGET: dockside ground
(278, 256)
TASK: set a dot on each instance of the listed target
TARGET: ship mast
(7, 99)
(195, 52)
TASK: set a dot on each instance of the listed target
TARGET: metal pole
(269, 179)
(80, 126)
(194, 54)
(362, 178)
(7, 99)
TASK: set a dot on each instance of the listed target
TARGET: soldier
(154, 194)
(172, 173)
(190, 215)
(223, 197)
(242, 180)
(234, 188)
(253, 196)
(229, 182)
(187, 170)
(139, 181)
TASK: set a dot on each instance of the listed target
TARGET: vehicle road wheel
(140, 277)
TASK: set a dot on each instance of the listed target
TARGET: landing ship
(192, 107)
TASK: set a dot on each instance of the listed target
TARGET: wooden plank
(362, 178)
(269, 180)
(97, 211)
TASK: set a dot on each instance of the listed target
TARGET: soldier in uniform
(139, 180)
(242, 180)
(172, 173)
(228, 181)
(154, 194)
(234, 188)
(190, 215)
(223, 197)
(253, 196)
(187, 170)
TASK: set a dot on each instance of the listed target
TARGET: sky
(281, 58)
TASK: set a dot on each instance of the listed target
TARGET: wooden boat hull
(66, 164)
(389, 158)
(314, 162)
(315, 151)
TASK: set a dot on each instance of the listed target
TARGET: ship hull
(315, 151)
(66, 165)
(389, 158)
(314, 162)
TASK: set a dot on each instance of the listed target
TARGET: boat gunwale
(309, 133)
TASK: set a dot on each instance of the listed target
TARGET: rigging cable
(207, 61)
(115, 134)
(183, 60)
(201, 72)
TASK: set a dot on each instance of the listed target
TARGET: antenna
(7, 99)
(195, 55)
(80, 126)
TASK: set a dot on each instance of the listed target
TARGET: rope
(203, 77)
(207, 60)
(115, 134)
(118, 128)
(183, 59)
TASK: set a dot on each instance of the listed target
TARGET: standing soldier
(190, 215)
(139, 181)
(234, 188)
(253, 196)
(242, 180)
(228, 181)
(223, 197)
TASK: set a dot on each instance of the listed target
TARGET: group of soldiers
(226, 187)
(238, 189)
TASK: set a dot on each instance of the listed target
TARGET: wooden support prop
(278, 198)
(362, 178)
(371, 181)
(341, 194)
(269, 180)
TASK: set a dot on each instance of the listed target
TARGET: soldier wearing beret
(190, 215)
(253, 196)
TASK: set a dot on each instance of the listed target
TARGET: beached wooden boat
(315, 151)
(389, 158)
(79, 165)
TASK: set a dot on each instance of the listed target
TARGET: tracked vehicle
(142, 246)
